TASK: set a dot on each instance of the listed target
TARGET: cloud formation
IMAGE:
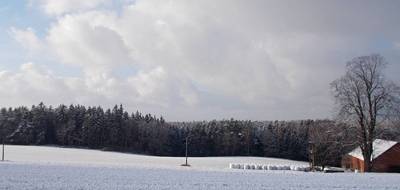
(27, 38)
(192, 60)
(59, 7)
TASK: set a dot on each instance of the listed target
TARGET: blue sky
(20, 15)
(191, 60)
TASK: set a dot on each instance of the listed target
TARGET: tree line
(117, 130)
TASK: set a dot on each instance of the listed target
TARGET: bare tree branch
(365, 99)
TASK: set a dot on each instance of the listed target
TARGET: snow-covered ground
(33, 167)
(88, 157)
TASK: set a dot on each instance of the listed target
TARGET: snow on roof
(379, 147)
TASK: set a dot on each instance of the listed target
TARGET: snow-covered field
(33, 167)
(87, 157)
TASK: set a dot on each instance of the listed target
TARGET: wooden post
(2, 155)
(186, 152)
(2, 141)
(312, 155)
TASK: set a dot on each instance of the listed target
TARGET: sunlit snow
(35, 167)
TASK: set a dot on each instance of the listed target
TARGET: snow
(88, 157)
(48, 168)
(379, 147)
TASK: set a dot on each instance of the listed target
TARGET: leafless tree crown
(365, 98)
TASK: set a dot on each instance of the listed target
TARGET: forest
(117, 130)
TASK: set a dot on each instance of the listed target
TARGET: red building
(385, 157)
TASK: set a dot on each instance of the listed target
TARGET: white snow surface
(379, 147)
(89, 157)
(48, 168)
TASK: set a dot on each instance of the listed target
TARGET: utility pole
(186, 152)
(3, 142)
(312, 155)
(2, 155)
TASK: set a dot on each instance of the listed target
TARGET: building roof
(379, 147)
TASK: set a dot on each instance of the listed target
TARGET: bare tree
(365, 98)
(327, 143)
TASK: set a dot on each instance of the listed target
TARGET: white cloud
(88, 40)
(27, 38)
(207, 59)
(58, 7)
(32, 84)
